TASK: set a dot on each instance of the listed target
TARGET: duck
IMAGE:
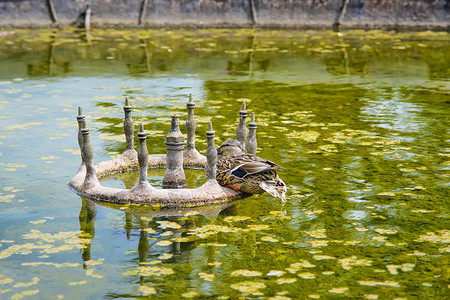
(246, 172)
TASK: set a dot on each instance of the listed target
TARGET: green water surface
(358, 119)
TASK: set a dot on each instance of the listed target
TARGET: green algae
(358, 119)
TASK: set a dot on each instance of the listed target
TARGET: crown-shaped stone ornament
(174, 192)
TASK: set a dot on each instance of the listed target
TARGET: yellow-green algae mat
(359, 120)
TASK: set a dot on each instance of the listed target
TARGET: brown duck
(246, 172)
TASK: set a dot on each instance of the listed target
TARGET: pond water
(358, 119)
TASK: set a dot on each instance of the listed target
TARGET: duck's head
(230, 148)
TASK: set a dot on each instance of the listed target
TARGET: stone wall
(228, 13)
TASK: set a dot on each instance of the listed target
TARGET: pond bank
(228, 13)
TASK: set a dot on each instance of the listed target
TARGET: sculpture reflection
(154, 223)
(87, 216)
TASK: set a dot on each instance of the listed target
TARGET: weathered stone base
(145, 194)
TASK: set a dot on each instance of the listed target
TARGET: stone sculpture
(174, 193)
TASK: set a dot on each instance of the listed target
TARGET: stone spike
(190, 124)
(128, 126)
(142, 154)
(81, 119)
(80, 116)
(241, 132)
(251, 142)
(174, 176)
(87, 150)
(175, 124)
(211, 154)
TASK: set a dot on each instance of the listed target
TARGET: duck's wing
(249, 164)
(254, 158)
(252, 167)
